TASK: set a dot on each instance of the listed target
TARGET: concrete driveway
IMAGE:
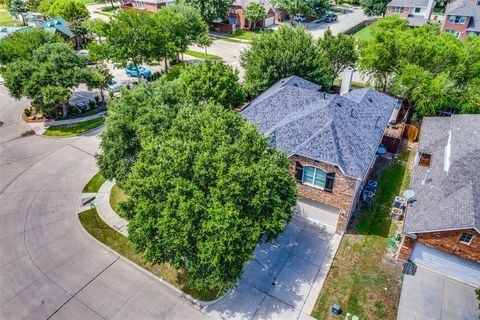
(430, 295)
(49, 266)
(284, 278)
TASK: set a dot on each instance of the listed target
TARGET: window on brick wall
(466, 238)
(454, 32)
(398, 9)
(315, 177)
(457, 19)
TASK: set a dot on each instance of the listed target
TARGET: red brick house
(417, 12)
(236, 16)
(331, 141)
(442, 225)
(462, 18)
(147, 5)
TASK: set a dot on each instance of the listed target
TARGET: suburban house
(147, 5)
(417, 12)
(462, 18)
(55, 25)
(235, 18)
(442, 223)
(8, 30)
(331, 140)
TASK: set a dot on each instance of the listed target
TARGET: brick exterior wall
(341, 196)
(148, 6)
(404, 14)
(462, 28)
(446, 241)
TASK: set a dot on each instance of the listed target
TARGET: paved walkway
(105, 211)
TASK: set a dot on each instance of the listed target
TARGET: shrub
(97, 99)
(27, 112)
(91, 104)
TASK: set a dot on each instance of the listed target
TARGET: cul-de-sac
(240, 159)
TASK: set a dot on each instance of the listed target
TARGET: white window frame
(467, 235)
(314, 176)
(456, 33)
(398, 9)
(453, 19)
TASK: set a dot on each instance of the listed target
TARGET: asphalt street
(50, 268)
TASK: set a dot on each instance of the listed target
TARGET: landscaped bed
(365, 280)
(73, 129)
(119, 243)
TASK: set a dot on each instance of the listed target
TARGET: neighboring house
(442, 225)
(417, 12)
(58, 25)
(8, 30)
(147, 5)
(331, 140)
(462, 18)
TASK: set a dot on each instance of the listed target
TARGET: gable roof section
(447, 200)
(340, 130)
(58, 24)
(8, 30)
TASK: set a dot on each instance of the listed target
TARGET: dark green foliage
(286, 52)
(305, 7)
(255, 12)
(210, 9)
(212, 81)
(374, 7)
(18, 8)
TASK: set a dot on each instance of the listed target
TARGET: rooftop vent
(376, 122)
(352, 115)
(338, 104)
(3, 30)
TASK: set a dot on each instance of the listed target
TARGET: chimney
(346, 80)
(429, 9)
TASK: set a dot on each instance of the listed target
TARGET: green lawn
(117, 196)
(119, 243)
(94, 184)
(87, 2)
(243, 35)
(365, 280)
(201, 55)
(364, 34)
(6, 20)
(73, 129)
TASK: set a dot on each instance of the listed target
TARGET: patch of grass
(364, 278)
(6, 20)
(109, 9)
(117, 196)
(73, 129)
(174, 71)
(243, 35)
(119, 243)
(95, 183)
(87, 2)
(201, 55)
(364, 34)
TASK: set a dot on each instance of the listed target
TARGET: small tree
(98, 78)
(95, 27)
(286, 52)
(255, 12)
(33, 5)
(305, 7)
(339, 50)
(212, 81)
(70, 10)
(374, 7)
(18, 8)
(210, 9)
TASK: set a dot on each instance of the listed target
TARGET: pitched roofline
(443, 230)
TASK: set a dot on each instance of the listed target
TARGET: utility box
(336, 309)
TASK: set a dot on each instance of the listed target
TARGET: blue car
(131, 71)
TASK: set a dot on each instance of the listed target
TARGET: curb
(71, 136)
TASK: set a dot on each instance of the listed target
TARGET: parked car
(114, 86)
(131, 71)
(299, 18)
(330, 17)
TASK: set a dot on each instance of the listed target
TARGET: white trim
(442, 230)
(314, 175)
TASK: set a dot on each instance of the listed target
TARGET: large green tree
(46, 78)
(374, 7)
(212, 81)
(204, 189)
(340, 51)
(18, 8)
(255, 12)
(20, 45)
(210, 9)
(286, 52)
(70, 10)
(305, 7)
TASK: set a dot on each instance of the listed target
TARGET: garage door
(448, 264)
(269, 22)
(318, 212)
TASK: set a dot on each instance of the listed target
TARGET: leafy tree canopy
(18, 8)
(286, 52)
(210, 9)
(47, 77)
(20, 45)
(340, 51)
(374, 7)
(70, 10)
(305, 7)
(255, 12)
(204, 187)
(212, 81)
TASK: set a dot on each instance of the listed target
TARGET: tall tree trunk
(111, 2)
(102, 95)
(64, 109)
(206, 53)
(23, 19)
(166, 64)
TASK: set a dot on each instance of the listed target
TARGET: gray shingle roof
(341, 130)
(447, 200)
(408, 3)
